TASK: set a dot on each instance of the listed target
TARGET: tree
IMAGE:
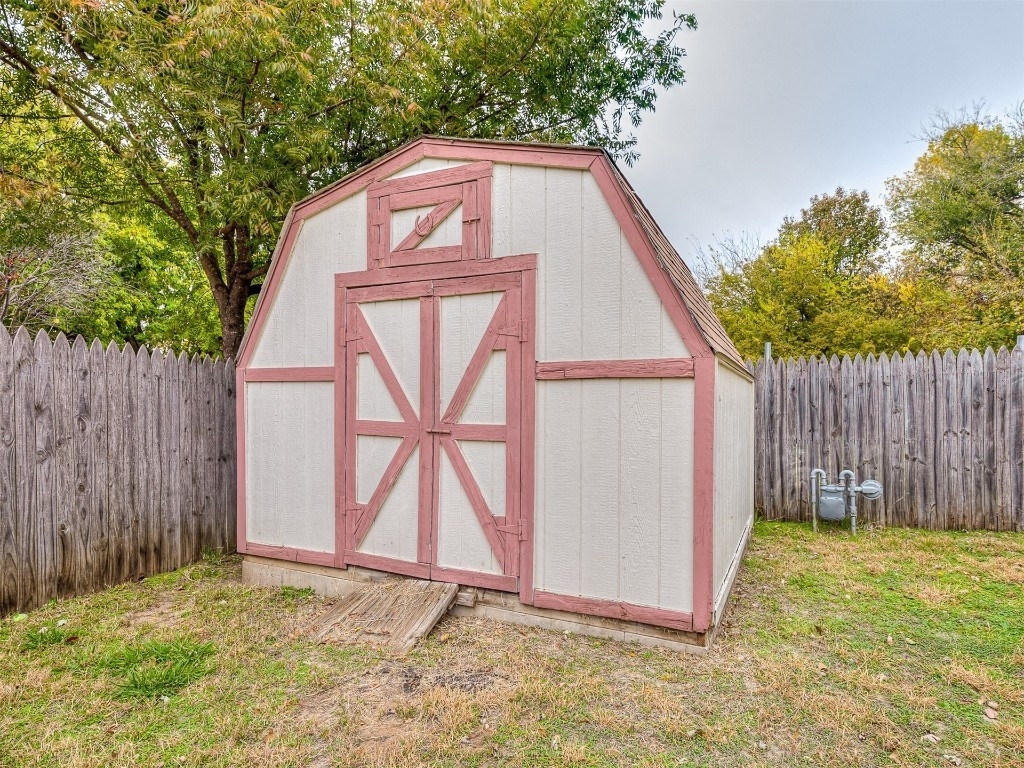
(960, 214)
(816, 289)
(848, 222)
(220, 114)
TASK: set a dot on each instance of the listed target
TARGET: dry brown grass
(834, 652)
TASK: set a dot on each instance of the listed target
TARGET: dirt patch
(163, 615)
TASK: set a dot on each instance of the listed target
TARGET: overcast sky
(785, 100)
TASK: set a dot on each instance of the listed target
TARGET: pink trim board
(431, 429)
(616, 369)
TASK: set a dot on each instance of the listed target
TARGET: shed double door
(432, 424)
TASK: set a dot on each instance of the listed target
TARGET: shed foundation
(472, 601)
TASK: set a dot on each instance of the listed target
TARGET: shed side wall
(734, 470)
(614, 511)
(289, 428)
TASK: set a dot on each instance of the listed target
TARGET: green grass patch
(157, 667)
(296, 593)
(880, 650)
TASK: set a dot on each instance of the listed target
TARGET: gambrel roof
(695, 318)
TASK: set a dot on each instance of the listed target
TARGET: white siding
(395, 528)
(614, 509)
(594, 300)
(299, 330)
(396, 327)
(289, 464)
(461, 542)
(448, 232)
(734, 468)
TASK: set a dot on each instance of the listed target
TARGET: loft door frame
(396, 282)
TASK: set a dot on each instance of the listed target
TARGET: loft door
(432, 484)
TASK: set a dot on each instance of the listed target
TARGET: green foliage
(816, 289)
(157, 667)
(220, 114)
(826, 285)
(959, 212)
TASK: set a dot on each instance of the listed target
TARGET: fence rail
(114, 465)
(942, 432)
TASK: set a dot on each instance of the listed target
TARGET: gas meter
(833, 502)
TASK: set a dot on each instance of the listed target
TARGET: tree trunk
(231, 284)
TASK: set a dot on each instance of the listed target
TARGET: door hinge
(517, 530)
(518, 330)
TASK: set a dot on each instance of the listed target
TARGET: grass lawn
(880, 650)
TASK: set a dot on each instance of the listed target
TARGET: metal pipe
(817, 475)
(848, 479)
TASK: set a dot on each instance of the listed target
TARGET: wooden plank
(915, 438)
(186, 385)
(25, 458)
(118, 513)
(100, 467)
(396, 613)
(156, 441)
(1003, 457)
(616, 369)
(988, 447)
(211, 534)
(229, 477)
(43, 498)
(86, 526)
(144, 502)
(1015, 437)
(70, 540)
(171, 455)
(10, 574)
(978, 429)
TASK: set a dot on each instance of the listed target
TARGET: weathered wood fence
(114, 465)
(942, 432)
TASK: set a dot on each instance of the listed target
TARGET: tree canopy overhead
(220, 114)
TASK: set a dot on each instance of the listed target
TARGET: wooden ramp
(396, 614)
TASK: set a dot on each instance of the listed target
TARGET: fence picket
(944, 433)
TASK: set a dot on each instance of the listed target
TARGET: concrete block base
(471, 601)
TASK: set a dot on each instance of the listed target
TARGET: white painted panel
(676, 535)
(501, 211)
(486, 403)
(299, 330)
(594, 300)
(425, 165)
(461, 542)
(394, 532)
(396, 327)
(599, 555)
(614, 511)
(734, 467)
(373, 454)
(463, 322)
(373, 401)
(639, 489)
(557, 522)
(528, 204)
(448, 232)
(601, 284)
(560, 331)
(486, 461)
(289, 464)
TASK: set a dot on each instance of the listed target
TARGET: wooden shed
(483, 363)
